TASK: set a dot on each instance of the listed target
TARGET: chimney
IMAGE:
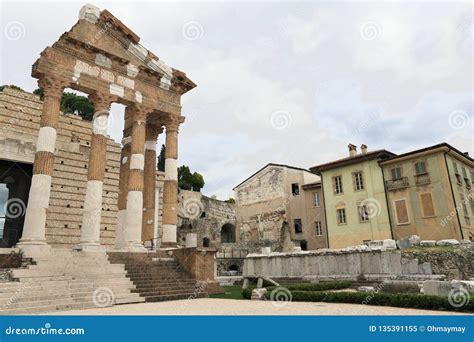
(466, 154)
(352, 150)
(363, 148)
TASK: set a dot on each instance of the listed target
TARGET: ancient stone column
(148, 222)
(134, 213)
(170, 186)
(90, 230)
(33, 238)
(123, 181)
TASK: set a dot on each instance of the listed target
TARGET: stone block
(425, 268)
(266, 250)
(447, 242)
(365, 289)
(408, 241)
(191, 240)
(428, 243)
(258, 294)
(389, 244)
(467, 284)
(436, 287)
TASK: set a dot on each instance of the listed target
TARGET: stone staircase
(158, 277)
(65, 280)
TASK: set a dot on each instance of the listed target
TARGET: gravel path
(210, 306)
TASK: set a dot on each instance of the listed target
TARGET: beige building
(274, 210)
(354, 198)
(430, 194)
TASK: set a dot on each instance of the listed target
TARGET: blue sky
(290, 82)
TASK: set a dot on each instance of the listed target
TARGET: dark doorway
(228, 233)
(206, 242)
(304, 245)
(15, 182)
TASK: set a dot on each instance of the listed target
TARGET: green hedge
(403, 300)
(323, 286)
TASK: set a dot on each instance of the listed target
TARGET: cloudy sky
(289, 82)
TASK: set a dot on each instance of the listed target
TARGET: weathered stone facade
(212, 220)
(271, 204)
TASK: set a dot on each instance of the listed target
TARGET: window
(464, 206)
(427, 205)
(298, 226)
(341, 216)
(420, 168)
(358, 182)
(295, 189)
(464, 172)
(363, 213)
(396, 173)
(337, 184)
(401, 211)
(455, 167)
(206, 242)
(316, 199)
(319, 228)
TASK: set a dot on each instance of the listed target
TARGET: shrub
(404, 300)
(247, 293)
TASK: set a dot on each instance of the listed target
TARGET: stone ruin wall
(261, 212)
(19, 121)
(191, 219)
(362, 262)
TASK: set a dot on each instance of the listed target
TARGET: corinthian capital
(52, 86)
(172, 122)
(101, 102)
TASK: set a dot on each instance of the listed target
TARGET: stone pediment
(100, 53)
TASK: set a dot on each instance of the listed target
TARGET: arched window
(228, 233)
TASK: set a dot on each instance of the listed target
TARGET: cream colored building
(354, 198)
(430, 193)
(272, 209)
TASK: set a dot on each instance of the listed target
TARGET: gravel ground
(210, 306)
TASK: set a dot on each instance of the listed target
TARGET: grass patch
(230, 292)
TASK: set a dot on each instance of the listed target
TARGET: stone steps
(66, 279)
(157, 276)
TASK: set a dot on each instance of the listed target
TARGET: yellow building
(429, 192)
(354, 198)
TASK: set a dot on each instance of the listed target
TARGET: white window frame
(338, 217)
(316, 199)
(358, 181)
(319, 228)
(338, 189)
(363, 215)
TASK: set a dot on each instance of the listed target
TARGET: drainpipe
(325, 213)
(387, 203)
(452, 193)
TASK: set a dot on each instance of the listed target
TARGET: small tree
(189, 181)
(72, 103)
(161, 159)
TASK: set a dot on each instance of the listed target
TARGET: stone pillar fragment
(90, 230)
(170, 186)
(148, 221)
(134, 211)
(34, 230)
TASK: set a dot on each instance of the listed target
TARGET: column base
(34, 248)
(134, 247)
(90, 247)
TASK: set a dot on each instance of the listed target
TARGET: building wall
(355, 232)
(443, 222)
(464, 186)
(266, 209)
(316, 214)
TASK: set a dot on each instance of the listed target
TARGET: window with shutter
(401, 211)
(396, 173)
(427, 205)
(420, 168)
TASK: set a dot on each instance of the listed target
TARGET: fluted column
(134, 213)
(149, 179)
(170, 186)
(90, 230)
(34, 238)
